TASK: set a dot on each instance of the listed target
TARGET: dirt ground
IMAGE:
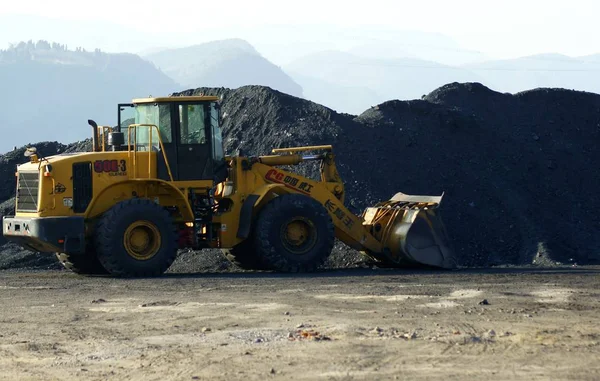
(339, 325)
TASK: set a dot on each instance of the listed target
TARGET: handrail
(160, 142)
(104, 129)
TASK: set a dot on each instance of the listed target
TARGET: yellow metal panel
(108, 187)
(197, 98)
(281, 160)
(193, 184)
(164, 192)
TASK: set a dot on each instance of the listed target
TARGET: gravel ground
(503, 324)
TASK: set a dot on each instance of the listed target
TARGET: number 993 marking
(112, 167)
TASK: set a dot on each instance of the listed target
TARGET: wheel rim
(299, 235)
(142, 240)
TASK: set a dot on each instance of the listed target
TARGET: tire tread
(266, 218)
(105, 236)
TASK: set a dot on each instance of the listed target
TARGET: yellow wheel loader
(159, 182)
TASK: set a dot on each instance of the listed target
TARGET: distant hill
(283, 44)
(393, 78)
(343, 98)
(48, 92)
(426, 46)
(227, 63)
(326, 74)
(542, 70)
(591, 58)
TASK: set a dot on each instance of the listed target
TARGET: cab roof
(195, 98)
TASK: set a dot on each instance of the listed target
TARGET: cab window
(217, 137)
(192, 124)
(155, 114)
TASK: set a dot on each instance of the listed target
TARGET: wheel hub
(299, 235)
(142, 240)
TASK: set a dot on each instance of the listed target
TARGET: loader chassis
(159, 182)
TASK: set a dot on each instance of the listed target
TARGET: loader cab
(189, 131)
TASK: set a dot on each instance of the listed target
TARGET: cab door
(161, 116)
(194, 142)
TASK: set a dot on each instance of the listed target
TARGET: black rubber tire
(268, 239)
(84, 264)
(111, 229)
(244, 256)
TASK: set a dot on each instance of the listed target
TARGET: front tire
(244, 256)
(294, 233)
(136, 238)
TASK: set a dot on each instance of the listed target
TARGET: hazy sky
(499, 29)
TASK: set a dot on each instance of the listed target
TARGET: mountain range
(51, 90)
(367, 80)
(229, 63)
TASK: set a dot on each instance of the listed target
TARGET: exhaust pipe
(95, 147)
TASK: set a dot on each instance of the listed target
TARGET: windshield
(192, 124)
(155, 114)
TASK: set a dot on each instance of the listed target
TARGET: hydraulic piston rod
(288, 159)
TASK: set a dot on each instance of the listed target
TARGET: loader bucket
(412, 232)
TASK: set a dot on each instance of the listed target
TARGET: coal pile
(518, 171)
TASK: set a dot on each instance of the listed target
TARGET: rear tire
(294, 233)
(136, 238)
